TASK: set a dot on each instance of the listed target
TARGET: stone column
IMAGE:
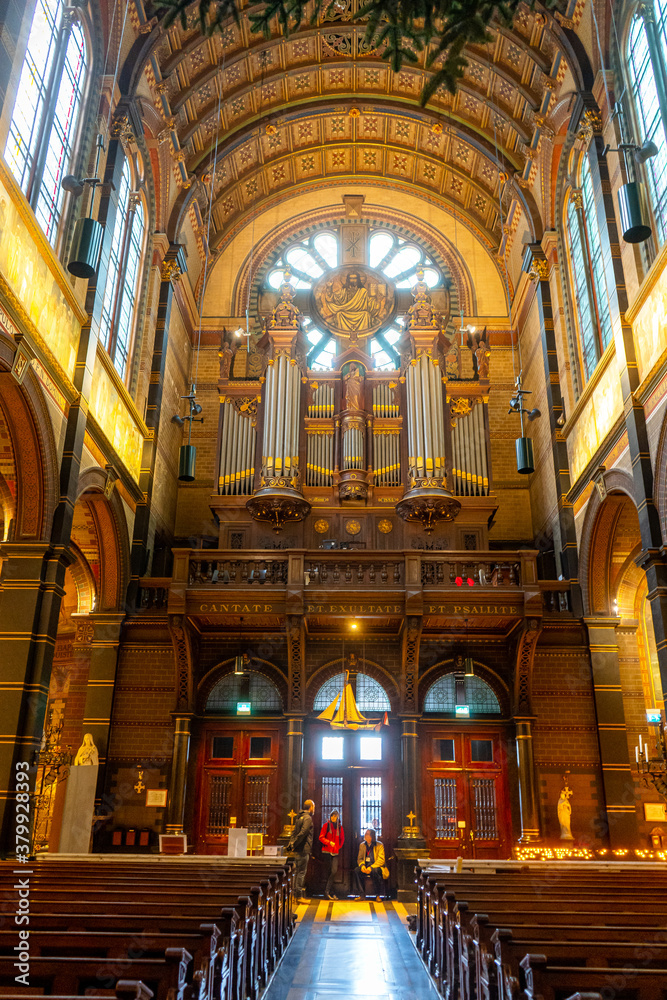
(179, 772)
(291, 800)
(539, 268)
(618, 782)
(528, 803)
(32, 589)
(104, 631)
(173, 266)
(411, 843)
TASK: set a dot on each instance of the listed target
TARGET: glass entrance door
(350, 772)
(464, 793)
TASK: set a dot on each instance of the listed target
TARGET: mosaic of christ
(353, 301)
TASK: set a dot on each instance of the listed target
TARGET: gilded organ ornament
(353, 301)
(321, 526)
(352, 527)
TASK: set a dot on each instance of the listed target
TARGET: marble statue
(87, 752)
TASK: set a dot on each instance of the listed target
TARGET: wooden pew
(231, 960)
(126, 989)
(543, 981)
(166, 977)
(449, 935)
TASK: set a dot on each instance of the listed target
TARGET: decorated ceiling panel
(282, 112)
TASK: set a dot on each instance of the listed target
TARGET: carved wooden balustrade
(317, 571)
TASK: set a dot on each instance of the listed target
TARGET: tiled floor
(351, 950)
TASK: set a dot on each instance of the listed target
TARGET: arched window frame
(587, 247)
(59, 70)
(449, 679)
(646, 77)
(325, 346)
(125, 267)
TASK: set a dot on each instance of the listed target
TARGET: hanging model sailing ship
(343, 713)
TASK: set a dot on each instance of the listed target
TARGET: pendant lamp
(525, 463)
(633, 213)
(88, 232)
(187, 456)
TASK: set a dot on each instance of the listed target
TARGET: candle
(646, 748)
(641, 748)
(637, 754)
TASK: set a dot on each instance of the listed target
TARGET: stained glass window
(261, 692)
(586, 249)
(122, 281)
(479, 696)
(314, 256)
(646, 102)
(39, 147)
(370, 696)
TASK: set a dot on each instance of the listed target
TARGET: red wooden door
(464, 793)
(237, 785)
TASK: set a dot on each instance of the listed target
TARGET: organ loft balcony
(496, 590)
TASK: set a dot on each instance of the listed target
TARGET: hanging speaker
(186, 463)
(524, 456)
(86, 246)
(633, 214)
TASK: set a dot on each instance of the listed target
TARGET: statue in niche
(477, 344)
(354, 388)
(87, 752)
(565, 810)
(453, 360)
(226, 353)
(286, 315)
(421, 313)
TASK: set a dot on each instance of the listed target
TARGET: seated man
(370, 861)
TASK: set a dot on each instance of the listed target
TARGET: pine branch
(400, 29)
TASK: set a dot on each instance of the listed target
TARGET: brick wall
(145, 696)
(565, 737)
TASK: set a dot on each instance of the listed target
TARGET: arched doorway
(356, 772)
(626, 675)
(463, 737)
(238, 754)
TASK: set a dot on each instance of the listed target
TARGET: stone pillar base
(407, 854)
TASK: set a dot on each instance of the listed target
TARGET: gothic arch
(444, 667)
(333, 667)
(597, 538)
(259, 666)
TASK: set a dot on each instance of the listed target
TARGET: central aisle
(351, 949)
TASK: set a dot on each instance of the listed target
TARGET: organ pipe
(426, 428)
(469, 454)
(281, 407)
(237, 452)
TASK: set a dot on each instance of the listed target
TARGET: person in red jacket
(332, 837)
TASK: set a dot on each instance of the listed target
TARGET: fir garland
(401, 29)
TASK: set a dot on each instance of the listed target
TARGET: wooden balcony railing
(320, 572)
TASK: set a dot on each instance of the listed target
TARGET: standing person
(301, 842)
(332, 837)
(370, 861)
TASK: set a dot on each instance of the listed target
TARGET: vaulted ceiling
(288, 113)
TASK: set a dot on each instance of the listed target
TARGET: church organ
(355, 432)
